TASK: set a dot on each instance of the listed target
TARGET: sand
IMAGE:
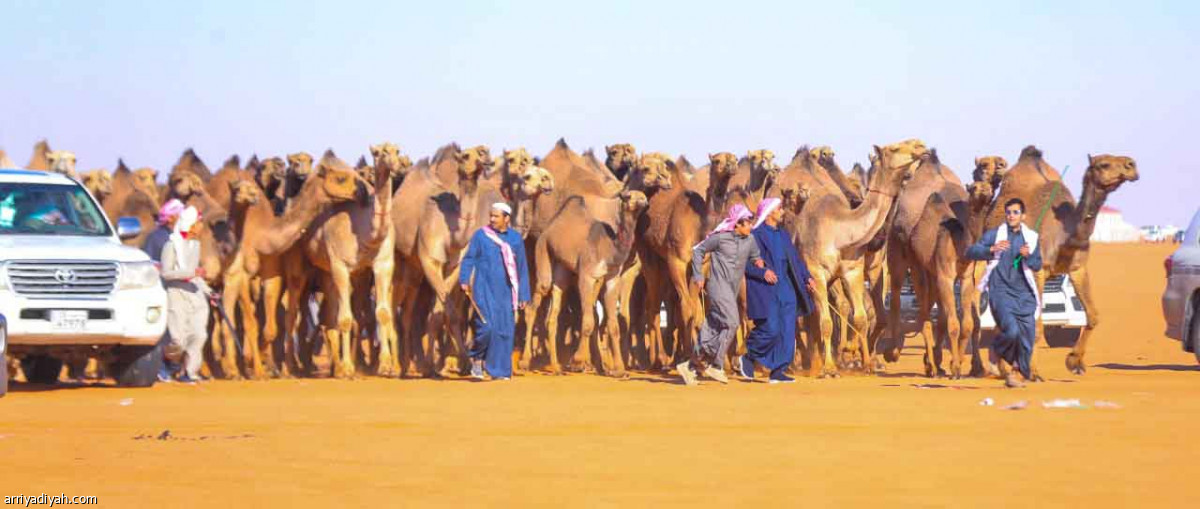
(896, 439)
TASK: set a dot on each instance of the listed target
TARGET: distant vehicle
(1181, 299)
(69, 290)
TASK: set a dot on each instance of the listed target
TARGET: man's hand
(1025, 251)
(465, 288)
(699, 285)
(812, 285)
(1001, 246)
(759, 263)
(520, 305)
(771, 277)
(200, 272)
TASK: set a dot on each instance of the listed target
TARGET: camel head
(387, 157)
(146, 180)
(794, 196)
(299, 166)
(1107, 172)
(270, 172)
(762, 160)
(535, 181)
(340, 182)
(722, 165)
(472, 163)
(365, 172)
(897, 163)
(990, 168)
(185, 184)
(621, 159)
(62, 161)
(517, 160)
(653, 172)
(634, 202)
(99, 182)
(245, 193)
(980, 195)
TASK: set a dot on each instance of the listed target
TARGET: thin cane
(475, 306)
(1037, 226)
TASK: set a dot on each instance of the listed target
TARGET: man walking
(774, 300)
(496, 259)
(1013, 254)
(731, 247)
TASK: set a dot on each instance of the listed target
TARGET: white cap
(502, 207)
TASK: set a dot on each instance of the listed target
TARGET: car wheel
(3, 357)
(137, 366)
(41, 369)
(1194, 331)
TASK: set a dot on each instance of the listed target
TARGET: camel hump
(562, 143)
(1031, 152)
(233, 162)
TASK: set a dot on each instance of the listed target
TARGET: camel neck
(860, 225)
(1086, 212)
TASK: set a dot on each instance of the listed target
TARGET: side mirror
(128, 228)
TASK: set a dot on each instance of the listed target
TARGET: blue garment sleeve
(467, 268)
(982, 250)
(802, 269)
(756, 273)
(522, 271)
(1034, 260)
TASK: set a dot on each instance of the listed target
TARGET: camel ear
(537, 161)
(1089, 159)
(976, 162)
(878, 152)
(376, 150)
(625, 196)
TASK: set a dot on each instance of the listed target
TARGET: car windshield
(49, 209)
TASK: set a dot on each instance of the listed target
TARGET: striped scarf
(510, 262)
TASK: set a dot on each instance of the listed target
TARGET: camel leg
(628, 279)
(433, 271)
(656, 352)
(587, 323)
(1039, 278)
(854, 286)
(251, 352)
(272, 287)
(612, 328)
(408, 285)
(896, 270)
(531, 314)
(556, 294)
(1083, 288)
(455, 312)
(689, 315)
(948, 317)
(822, 365)
(231, 290)
(924, 310)
(385, 329)
(341, 332)
(839, 293)
(296, 283)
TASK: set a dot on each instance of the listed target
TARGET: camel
(190, 162)
(62, 162)
(269, 175)
(931, 252)
(674, 223)
(99, 183)
(756, 176)
(621, 158)
(130, 198)
(263, 240)
(40, 159)
(299, 167)
(5, 162)
(576, 244)
(350, 238)
(825, 158)
(833, 238)
(990, 169)
(1067, 226)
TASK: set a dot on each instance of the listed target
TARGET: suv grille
(62, 279)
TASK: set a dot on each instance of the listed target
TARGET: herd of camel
(335, 252)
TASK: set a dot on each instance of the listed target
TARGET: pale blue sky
(144, 80)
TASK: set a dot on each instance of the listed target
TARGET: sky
(145, 80)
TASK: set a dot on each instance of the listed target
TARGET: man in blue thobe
(774, 299)
(1013, 254)
(496, 259)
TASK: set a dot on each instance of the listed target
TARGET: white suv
(1181, 299)
(69, 290)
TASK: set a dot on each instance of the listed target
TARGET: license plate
(68, 320)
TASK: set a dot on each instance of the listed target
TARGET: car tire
(137, 366)
(3, 356)
(41, 369)
(1194, 331)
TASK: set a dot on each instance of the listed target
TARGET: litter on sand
(1020, 405)
(987, 402)
(126, 402)
(1062, 403)
(1105, 404)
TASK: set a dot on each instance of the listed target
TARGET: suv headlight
(138, 275)
(3, 276)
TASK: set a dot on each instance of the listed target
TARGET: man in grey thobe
(731, 247)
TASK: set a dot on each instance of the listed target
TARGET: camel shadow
(1148, 367)
(653, 380)
(58, 386)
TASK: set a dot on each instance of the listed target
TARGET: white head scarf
(502, 207)
(186, 220)
(765, 208)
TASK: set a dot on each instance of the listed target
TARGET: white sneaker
(716, 373)
(685, 371)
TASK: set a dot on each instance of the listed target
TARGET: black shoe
(780, 378)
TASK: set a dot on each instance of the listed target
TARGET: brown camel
(63, 162)
(621, 158)
(931, 252)
(756, 176)
(826, 158)
(40, 158)
(5, 162)
(833, 238)
(990, 169)
(190, 162)
(99, 183)
(1067, 226)
(130, 199)
(263, 240)
(299, 167)
(351, 238)
(577, 245)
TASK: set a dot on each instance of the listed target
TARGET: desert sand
(895, 439)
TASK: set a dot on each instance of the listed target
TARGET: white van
(69, 289)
